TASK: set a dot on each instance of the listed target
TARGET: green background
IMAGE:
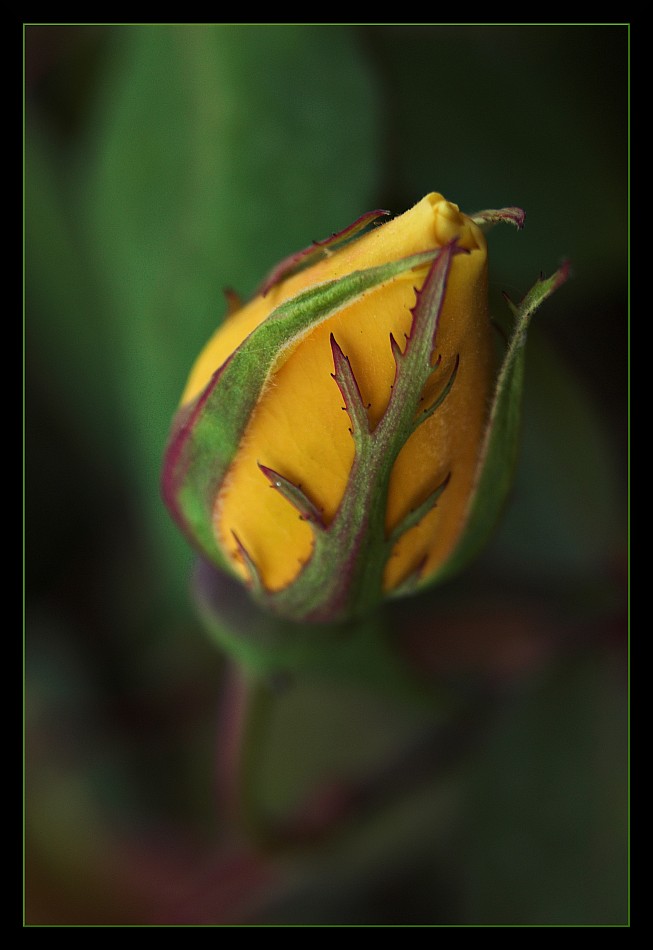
(164, 164)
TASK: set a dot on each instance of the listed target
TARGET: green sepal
(317, 251)
(501, 442)
(343, 577)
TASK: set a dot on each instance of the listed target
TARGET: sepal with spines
(344, 574)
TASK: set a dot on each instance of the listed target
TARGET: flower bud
(332, 433)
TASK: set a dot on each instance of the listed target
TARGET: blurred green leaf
(68, 339)
(214, 150)
(546, 824)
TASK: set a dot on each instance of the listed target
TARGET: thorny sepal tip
(294, 494)
(351, 394)
(487, 219)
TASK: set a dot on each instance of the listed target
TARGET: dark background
(163, 164)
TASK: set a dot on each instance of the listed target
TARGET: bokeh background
(164, 164)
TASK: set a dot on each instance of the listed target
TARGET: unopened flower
(336, 431)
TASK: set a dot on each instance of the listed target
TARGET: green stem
(244, 730)
(329, 809)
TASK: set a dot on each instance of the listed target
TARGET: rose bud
(346, 435)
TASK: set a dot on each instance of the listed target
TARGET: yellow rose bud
(331, 433)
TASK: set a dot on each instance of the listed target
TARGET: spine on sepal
(255, 582)
(412, 582)
(425, 414)
(413, 518)
(350, 391)
(294, 494)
